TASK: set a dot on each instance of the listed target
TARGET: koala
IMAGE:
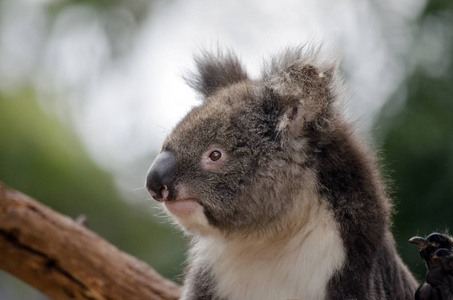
(280, 198)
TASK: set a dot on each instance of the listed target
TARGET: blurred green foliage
(41, 157)
(417, 142)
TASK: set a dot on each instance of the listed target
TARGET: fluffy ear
(215, 72)
(304, 87)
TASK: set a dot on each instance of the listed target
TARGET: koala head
(240, 161)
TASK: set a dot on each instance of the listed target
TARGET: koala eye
(215, 155)
(213, 159)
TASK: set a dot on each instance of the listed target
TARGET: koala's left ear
(304, 88)
(215, 72)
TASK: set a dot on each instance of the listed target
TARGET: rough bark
(65, 260)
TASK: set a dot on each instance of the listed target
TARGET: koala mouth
(184, 204)
(182, 207)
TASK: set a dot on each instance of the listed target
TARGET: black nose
(160, 175)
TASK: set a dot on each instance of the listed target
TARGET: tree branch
(65, 260)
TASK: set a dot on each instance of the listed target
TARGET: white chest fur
(296, 267)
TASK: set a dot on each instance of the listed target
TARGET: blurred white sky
(124, 106)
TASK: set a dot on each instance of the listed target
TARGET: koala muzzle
(160, 175)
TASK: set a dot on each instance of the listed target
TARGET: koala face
(236, 162)
(217, 152)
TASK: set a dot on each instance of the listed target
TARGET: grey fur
(208, 79)
(277, 131)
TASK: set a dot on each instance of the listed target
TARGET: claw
(441, 254)
(419, 241)
(438, 240)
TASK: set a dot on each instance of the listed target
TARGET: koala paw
(437, 251)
